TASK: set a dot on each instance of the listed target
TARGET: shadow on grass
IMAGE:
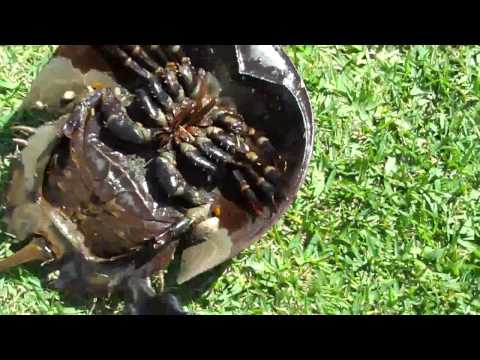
(187, 293)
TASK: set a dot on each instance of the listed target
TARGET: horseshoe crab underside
(265, 87)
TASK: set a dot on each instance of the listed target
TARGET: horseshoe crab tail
(36, 250)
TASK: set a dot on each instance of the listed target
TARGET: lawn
(388, 219)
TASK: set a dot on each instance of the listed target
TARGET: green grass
(388, 219)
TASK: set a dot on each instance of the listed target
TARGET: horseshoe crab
(88, 208)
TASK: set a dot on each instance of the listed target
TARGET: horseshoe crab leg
(20, 142)
(29, 130)
(25, 130)
(36, 250)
